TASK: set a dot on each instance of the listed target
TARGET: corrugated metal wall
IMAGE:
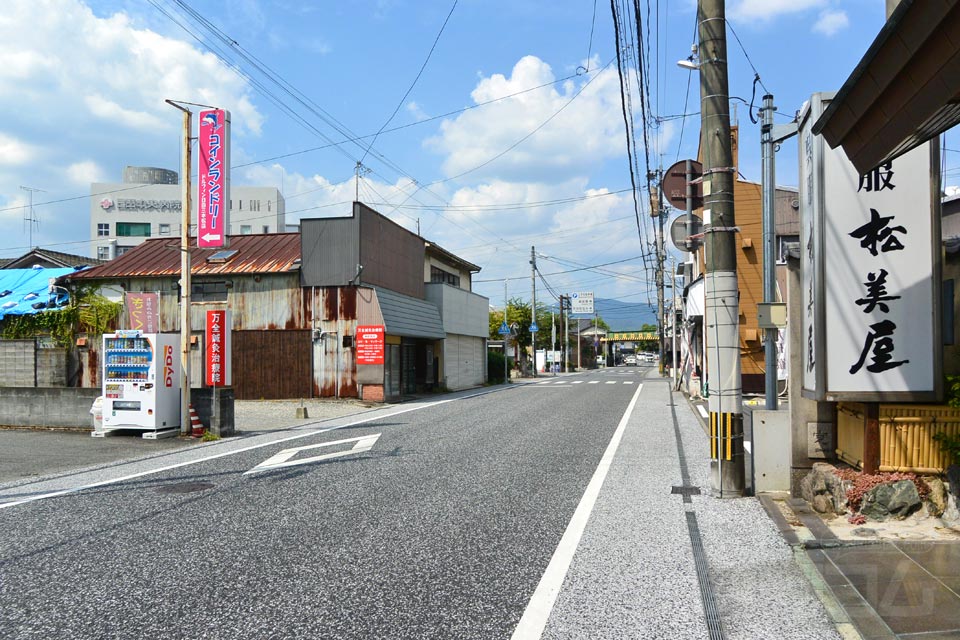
(335, 371)
(271, 365)
(392, 257)
(330, 251)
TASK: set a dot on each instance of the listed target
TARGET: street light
(691, 62)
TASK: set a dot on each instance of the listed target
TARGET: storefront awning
(905, 89)
(409, 317)
(694, 305)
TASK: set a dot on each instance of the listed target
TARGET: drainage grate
(710, 610)
(686, 492)
(185, 487)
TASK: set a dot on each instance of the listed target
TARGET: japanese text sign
(870, 310)
(143, 311)
(369, 341)
(581, 302)
(217, 359)
(213, 206)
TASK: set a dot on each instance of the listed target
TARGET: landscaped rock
(937, 498)
(825, 492)
(894, 499)
(951, 515)
(953, 477)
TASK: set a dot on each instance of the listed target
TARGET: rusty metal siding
(330, 249)
(261, 302)
(271, 365)
(335, 368)
(392, 257)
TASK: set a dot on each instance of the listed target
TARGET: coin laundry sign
(870, 311)
(214, 189)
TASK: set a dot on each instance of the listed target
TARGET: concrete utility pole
(722, 327)
(533, 309)
(185, 285)
(506, 337)
(656, 212)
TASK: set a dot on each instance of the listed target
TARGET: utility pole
(722, 326)
(533, 310)
(656, 212)
(673, 323)
(563, 348)
(506, 336)
(566, 339)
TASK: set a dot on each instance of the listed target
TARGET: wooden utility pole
(722, 326)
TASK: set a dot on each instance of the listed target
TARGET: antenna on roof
(28, 218)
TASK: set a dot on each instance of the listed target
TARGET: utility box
(772, 315)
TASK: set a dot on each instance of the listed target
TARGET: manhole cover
(186, 487)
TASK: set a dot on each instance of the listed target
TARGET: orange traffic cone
(196, 426)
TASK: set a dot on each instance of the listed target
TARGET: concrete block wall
(17, 363)
(51, 367)
(47, 407)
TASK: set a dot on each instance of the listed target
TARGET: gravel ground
(258, 416)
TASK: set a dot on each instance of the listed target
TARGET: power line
(412, 84)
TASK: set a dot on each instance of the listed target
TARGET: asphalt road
(443, 528)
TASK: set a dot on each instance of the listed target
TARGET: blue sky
(82, 85)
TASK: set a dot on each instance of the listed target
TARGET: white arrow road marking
(282, 459)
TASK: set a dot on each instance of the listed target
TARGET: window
(254, 205)
(103, 253)
(782, 247)
(266, 228)
(164, 229)
(128, 229)
(208, 291)
(443, 277)
(245, 229)
(103, 229)
(122, 250)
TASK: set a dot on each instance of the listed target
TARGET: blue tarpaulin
(27, 291)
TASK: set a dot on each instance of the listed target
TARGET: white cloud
(578, 133)
(416, 111)
(831, 22)
(767, 10)
(15, 152)
(83, 96)
(86, 172)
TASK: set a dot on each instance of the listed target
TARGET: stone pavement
(886, 589)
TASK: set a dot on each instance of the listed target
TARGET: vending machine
(141, 381)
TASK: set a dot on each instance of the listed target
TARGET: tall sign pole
(185, 285)
(720, 233)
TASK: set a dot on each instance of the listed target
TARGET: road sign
(534, 328)
(678, 233)
(581, 302)
(504, 329)
(675, 185)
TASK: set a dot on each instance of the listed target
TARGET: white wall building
(148, 204)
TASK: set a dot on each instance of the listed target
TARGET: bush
(494, 367)
(949, 444)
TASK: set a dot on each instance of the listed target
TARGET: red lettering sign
(217, 349)
(370, 341)
(167, 366)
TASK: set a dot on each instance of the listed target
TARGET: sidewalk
(660, 559)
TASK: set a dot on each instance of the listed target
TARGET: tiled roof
(159, 257)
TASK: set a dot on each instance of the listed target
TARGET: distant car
(630, 361)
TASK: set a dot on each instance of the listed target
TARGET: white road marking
(628, 382)
(561, 382)
(577, 382)
(282, 459)
(703, 412)
(611, 382)
(594, 382)
(305, 434)
(538, 610)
